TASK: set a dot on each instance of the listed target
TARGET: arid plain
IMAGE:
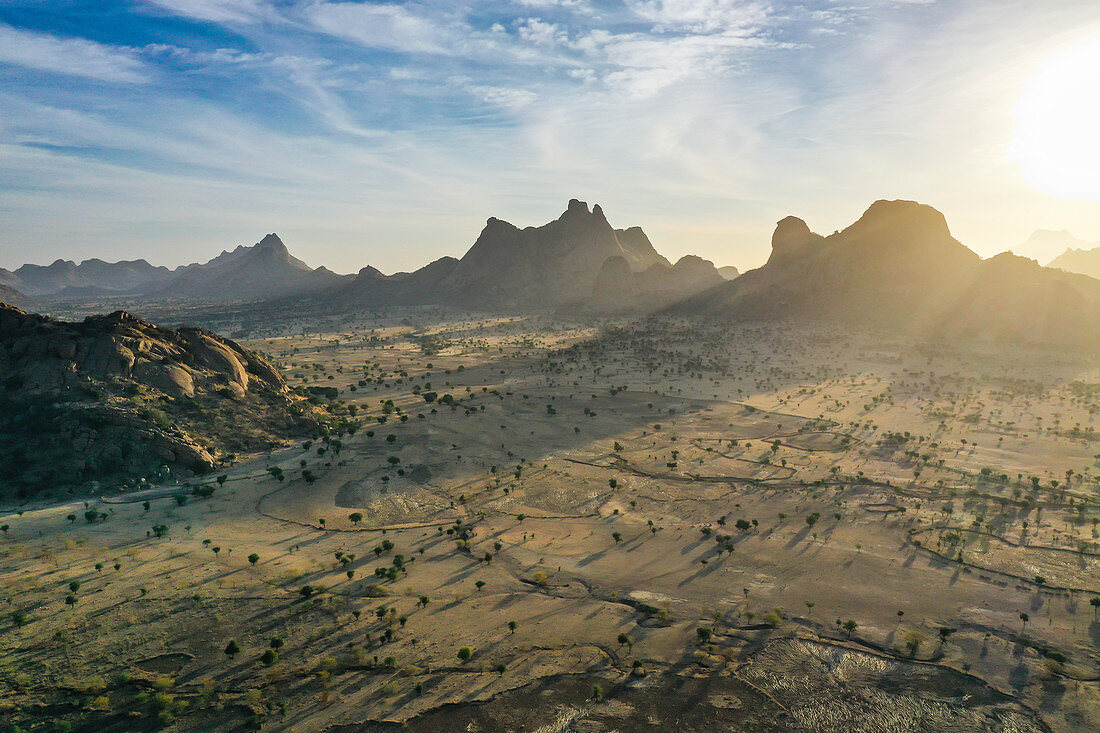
(657, 525)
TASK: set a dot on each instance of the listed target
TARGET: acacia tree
(913, 640)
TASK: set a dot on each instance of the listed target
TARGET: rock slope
(11, 296)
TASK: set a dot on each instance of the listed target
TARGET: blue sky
(386, 133)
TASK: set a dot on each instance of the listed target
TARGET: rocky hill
(262, 271)
(116, 399)
(898, 267)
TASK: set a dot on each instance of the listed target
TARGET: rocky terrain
(117, 399)
(899, 268)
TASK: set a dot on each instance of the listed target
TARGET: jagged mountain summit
(262, 271)
(115, 398)
(547, 266)
(556, 265)
(898, 267)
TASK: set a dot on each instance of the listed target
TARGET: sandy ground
(586, 484)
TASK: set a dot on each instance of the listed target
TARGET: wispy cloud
(390, 27)
(70, 56)
(701, 16)
(216, 11)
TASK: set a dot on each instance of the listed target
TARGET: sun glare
(1057, 141)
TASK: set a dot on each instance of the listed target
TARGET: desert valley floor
(550, 526)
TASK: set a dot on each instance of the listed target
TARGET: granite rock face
(114, 397)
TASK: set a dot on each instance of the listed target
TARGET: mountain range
(90, 275)
(552, 266)
(899, 268)
(261, 271)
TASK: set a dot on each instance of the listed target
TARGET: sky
(386, 133)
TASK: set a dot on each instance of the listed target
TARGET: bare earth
(586, 482)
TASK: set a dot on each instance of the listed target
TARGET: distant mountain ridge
(1050, 240)
(260, 271)
(898, 267)
(1079, 256)
(93, 273)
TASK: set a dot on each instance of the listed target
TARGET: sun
(1057, 141)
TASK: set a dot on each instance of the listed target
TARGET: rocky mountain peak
(271, 241)
(791, 236)
(902, 222)
(576, 207)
